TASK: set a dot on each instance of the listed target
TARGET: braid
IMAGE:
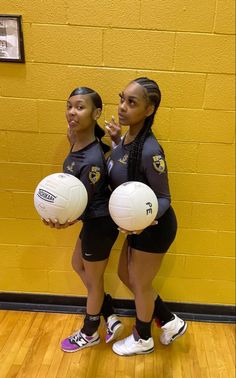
(135, 155)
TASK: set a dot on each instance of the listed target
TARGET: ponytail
(135, 155)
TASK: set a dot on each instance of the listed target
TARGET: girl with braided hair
(139, 157)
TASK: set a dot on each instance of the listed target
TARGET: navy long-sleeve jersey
(89, 166)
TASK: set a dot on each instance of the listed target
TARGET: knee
(94, 286)
(140, 286)
(77, 267)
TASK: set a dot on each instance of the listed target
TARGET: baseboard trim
(123, 307)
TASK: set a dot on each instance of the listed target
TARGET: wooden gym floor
(30, 347)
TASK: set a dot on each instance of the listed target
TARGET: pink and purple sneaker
(79, 341)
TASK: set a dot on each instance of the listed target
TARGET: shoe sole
(83, 347)
(132, 354)
(183, 330)
(117, 332)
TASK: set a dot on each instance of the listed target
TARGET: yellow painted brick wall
(188, 47)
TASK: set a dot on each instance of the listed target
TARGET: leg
(143, 267)
(172, 326)
(77, 262)
(88, 336)
(123, 267)
(78, 265)
(95, 302)
(89, 260)
(161, 313)
(123, 271)
(94, 271)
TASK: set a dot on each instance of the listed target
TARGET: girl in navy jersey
(139, 157)
(86, 161)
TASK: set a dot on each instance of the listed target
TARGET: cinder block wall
(188, 47)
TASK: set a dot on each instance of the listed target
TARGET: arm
(157, 177)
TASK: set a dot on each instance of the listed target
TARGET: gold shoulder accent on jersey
(124, 159)
(70, 168)
(158, 163)
(94, 174)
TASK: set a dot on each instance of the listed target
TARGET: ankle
(91, 324)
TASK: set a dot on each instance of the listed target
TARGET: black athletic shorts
(158, 238)
(97, 238)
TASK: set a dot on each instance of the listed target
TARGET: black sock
(161, 312)
(91, 324)
(107, 306)
(143, 329)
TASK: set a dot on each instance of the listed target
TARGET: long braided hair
(153, 94)
(97, 102)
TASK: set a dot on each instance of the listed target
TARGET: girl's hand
(129, 232)
(136, 232)
(71, 136)
(55, 224)
(114, 130)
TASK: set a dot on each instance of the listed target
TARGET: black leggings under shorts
(97, 238)
(158, 238)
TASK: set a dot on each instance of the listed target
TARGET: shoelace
(78, 339)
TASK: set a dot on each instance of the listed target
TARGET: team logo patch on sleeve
(158, 163)
(70, 168)
(124, 159)
(94, 174)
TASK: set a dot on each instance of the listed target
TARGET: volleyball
(61, 197)
(133, 206)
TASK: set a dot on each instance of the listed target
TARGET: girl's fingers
(125, 231)
(46, 222)
(56, 224)
(154, 223)
(137, 232)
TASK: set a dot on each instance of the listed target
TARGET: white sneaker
(114, 328)
(130, 346)
(172, 330)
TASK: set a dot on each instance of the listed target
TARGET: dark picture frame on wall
(11, 39)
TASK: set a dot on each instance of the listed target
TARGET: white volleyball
(133, 206)
(60, 196)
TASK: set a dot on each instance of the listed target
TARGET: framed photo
(11, 39)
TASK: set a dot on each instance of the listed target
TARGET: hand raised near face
(113, 130)
(71, 136)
